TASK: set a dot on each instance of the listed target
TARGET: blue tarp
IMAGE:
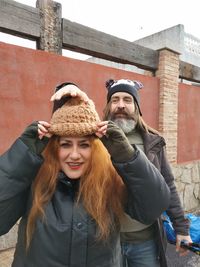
(194, 229)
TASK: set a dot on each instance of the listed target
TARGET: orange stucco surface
(188, 123)
(28, 78)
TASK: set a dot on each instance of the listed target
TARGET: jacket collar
(152, 141)
(71, 183)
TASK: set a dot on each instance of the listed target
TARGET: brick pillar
(168, 72)
(50, 26)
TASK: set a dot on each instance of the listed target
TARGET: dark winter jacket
(66, 238)
(154, 146)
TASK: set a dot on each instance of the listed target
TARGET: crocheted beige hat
(75, 118)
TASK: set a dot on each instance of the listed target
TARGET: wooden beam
(189, 72)
(82, 39)
(19, 20)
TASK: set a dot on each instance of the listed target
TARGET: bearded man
(144, 245)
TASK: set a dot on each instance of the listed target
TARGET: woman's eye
(85, 145)
(64, 145)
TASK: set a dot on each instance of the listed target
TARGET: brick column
(50, 26)
(168, 72)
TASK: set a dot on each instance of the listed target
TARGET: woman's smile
(74, 166)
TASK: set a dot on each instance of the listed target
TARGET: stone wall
(188, 184)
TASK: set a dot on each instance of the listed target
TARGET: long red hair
(101, 189)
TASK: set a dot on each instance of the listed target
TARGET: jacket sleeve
(148, 193)
(175, 210)
(18, 168)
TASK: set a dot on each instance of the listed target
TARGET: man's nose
(121, 104)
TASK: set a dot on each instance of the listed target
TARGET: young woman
(123, 108)
(58, 178)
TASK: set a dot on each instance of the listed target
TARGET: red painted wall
(188, 123)
(28, 78)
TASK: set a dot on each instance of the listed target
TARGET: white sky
(127, 19)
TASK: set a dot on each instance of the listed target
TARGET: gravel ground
(174, 260)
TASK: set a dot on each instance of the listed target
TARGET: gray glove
(117, 143)
(30, 138)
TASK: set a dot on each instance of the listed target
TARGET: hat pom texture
(75, 118)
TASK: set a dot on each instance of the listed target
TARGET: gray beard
(126, 125)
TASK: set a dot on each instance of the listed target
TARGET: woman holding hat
(58, 178)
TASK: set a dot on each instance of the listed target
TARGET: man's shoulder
(153, 138)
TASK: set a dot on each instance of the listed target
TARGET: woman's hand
(36, 136)
(70, 90)
(116, 142)
(43, 129)
(181, 250)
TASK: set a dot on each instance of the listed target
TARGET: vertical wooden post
(50, 26)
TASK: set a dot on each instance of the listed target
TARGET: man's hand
(70, 90)
(182, 251)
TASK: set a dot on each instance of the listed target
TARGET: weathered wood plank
(19, 20)
(50, 26)
(189, 72)
(79, 38)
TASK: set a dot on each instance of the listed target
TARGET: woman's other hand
(115, 141)
(102, 128)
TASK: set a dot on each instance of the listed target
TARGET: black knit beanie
(124, 85)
